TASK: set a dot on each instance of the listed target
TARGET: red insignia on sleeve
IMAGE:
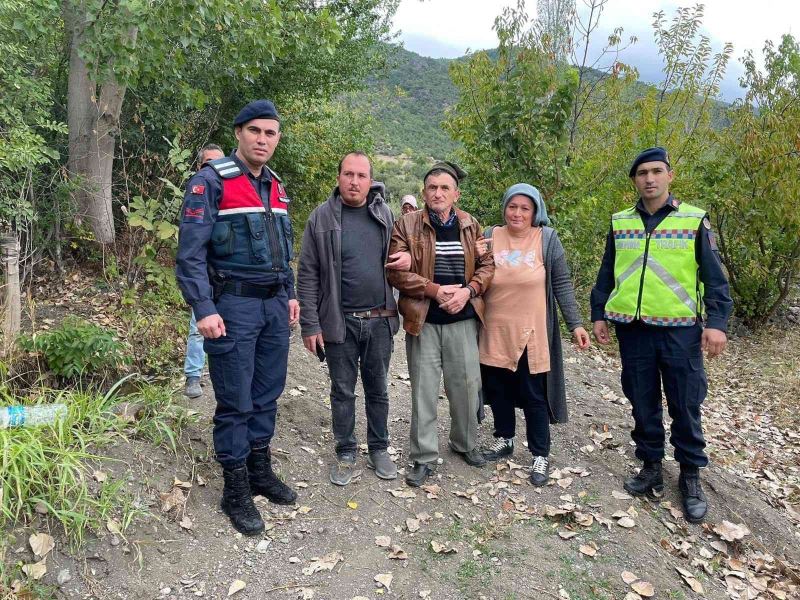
(194, 214)
(198, 189)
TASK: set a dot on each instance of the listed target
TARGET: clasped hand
(452, 298)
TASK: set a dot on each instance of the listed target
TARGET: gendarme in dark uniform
(660, 269)
(234, 249)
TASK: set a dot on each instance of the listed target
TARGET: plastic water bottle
(30, 416)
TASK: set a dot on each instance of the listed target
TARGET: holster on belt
(217, 283)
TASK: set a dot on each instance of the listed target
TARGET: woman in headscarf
(520, 346)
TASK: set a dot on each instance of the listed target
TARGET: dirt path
(475, 533)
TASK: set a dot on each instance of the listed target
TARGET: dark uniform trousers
(248, 372)
(651, 355)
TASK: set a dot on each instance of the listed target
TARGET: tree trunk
(93, 121)
(12, 307)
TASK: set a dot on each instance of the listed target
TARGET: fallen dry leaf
(304, 510)
(632, 596)
(326, 563)
(433, 490)
(186, 522)
(720, 546)
(114, 527)
(352, 504)
(236, 586)
(172, 500)
(385, 579)
(383, 541)
(565, 482)
(730, 532)
(41, 544)
(566, 535)
(35, 571)
(99, 476)
(412, 525)
(626, 522)
(440, 548)
(402, 493)
(184, 485)
(691, 581)
(643, 588)
(621, 495)
(588, 550)
(628, 577)
(397, 553)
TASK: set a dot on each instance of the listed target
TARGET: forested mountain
(408, 103)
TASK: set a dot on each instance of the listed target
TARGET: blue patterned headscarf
(540, 218)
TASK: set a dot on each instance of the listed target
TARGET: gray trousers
(449, 350)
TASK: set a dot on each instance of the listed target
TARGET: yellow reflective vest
(656, 275)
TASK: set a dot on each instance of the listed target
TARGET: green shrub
(51, 466)
(78, 348)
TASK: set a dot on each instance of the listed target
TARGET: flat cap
(450, 168)
(656, 153)
(257, 109)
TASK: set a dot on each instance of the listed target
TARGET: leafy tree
(115, 47)
(572, 130)
(753, 186)
(316, 136)
(511, 117)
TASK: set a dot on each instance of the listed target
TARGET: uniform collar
(265, 172)
(671, 204)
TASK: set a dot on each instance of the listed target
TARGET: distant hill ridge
(408, 103)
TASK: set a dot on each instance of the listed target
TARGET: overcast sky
(448, 28)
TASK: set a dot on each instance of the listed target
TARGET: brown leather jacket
(413, 233)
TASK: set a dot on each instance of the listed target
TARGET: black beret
(257, 109)
(450, 168)
(654, 154)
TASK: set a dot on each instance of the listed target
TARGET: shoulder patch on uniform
(198, 189)
(194, 212)
(282, 195)
(706, 223)
(225, 167)
(274, 174)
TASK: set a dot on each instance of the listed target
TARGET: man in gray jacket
(348, 311)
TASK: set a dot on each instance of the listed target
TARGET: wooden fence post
(12, 306)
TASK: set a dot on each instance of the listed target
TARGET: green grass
(162, 420)
(52, 465)
(472, 574)
(581, 584)
(27, 589)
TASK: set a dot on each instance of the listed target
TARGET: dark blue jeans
(653, 355)
(367, 347)
(248, 371)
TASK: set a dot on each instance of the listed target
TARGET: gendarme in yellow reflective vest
(656, 274)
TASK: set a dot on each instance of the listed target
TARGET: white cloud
(447, 28)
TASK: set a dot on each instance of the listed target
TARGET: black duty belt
(248, 290)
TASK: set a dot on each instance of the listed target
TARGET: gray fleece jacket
(319, 271)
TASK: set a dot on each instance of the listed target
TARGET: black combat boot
(238, 504)
(695, 504)
(263, 481)
(648, 482)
